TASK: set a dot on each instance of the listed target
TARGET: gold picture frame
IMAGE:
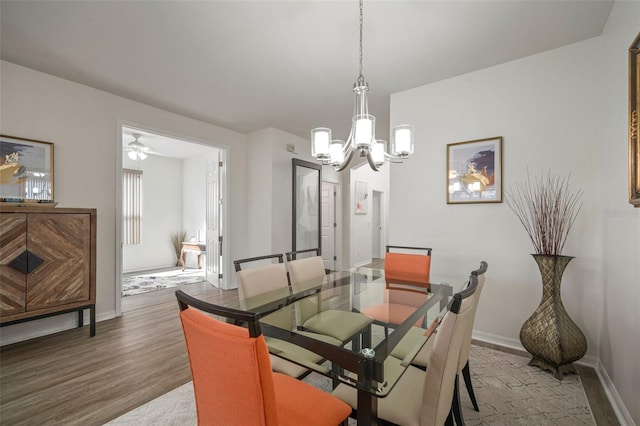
(634, 126)
(474, 171)
(27, 170)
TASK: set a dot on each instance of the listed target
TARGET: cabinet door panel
(63, 242)
(13, 242)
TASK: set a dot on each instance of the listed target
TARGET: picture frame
(361, 197)
(26, 170)
(634, 123)
(474, 171)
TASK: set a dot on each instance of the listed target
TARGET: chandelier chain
(360, 77)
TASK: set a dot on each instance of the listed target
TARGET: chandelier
(362, 137)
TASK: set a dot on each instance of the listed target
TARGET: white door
(376, 226)
(214, 242)
(328, 227)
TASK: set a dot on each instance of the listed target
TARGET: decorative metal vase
(550, 335)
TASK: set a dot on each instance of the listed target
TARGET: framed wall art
(361, 194)
(634, 126)
(474, 171)
(26, 170)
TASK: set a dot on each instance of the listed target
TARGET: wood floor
(69, 378)
(72, 379)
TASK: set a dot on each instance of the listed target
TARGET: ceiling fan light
(142, 155)
(132, 155)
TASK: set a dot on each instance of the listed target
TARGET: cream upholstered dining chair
(342, 325)
(267, 279)
(423, 398)
(422, 358)
(232, 377)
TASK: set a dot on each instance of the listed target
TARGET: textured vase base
(558, 370)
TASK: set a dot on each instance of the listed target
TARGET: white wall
(161, 214)
(259, 194)
(549, 121)
(619, 344)
(269, 189)
(565, 111)
(83, 124)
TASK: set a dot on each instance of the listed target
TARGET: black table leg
(367, 409)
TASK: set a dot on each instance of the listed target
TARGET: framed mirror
(306, 204)
(634, 127)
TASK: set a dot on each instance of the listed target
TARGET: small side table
(196, 248)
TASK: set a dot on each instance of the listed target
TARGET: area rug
(509, 392)
(159, 280)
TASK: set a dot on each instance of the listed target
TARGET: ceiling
(249, 65)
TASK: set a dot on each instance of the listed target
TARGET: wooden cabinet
(47, 263)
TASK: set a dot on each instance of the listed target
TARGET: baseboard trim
(43, 327)
(623, 415)
(515, 344)
(497, 340)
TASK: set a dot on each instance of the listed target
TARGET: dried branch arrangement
(176, 241)
(547, 208)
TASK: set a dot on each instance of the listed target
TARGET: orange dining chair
(402, 269)
(424, 398)
(407, 268)
(232, 377)
(398, 304)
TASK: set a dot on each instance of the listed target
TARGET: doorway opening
(377, 231)
(330, 225)
(171, 225)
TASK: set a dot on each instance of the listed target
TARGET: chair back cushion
(307, 272)
(466, 341)
(443, 363)
(231, 372)
(403, 268)
(262, 279)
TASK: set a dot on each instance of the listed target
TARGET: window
(131, 206)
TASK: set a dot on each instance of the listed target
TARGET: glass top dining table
(403, 317)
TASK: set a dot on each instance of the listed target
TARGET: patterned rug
(158, 280)
(509, 392)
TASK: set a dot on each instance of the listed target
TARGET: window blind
(131, 206)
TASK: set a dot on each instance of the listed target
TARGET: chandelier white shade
(362, 137)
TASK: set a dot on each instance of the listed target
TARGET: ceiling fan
(136, 150)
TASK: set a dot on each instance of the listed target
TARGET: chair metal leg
(455, 404)
(449, 421)
(467, 381)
